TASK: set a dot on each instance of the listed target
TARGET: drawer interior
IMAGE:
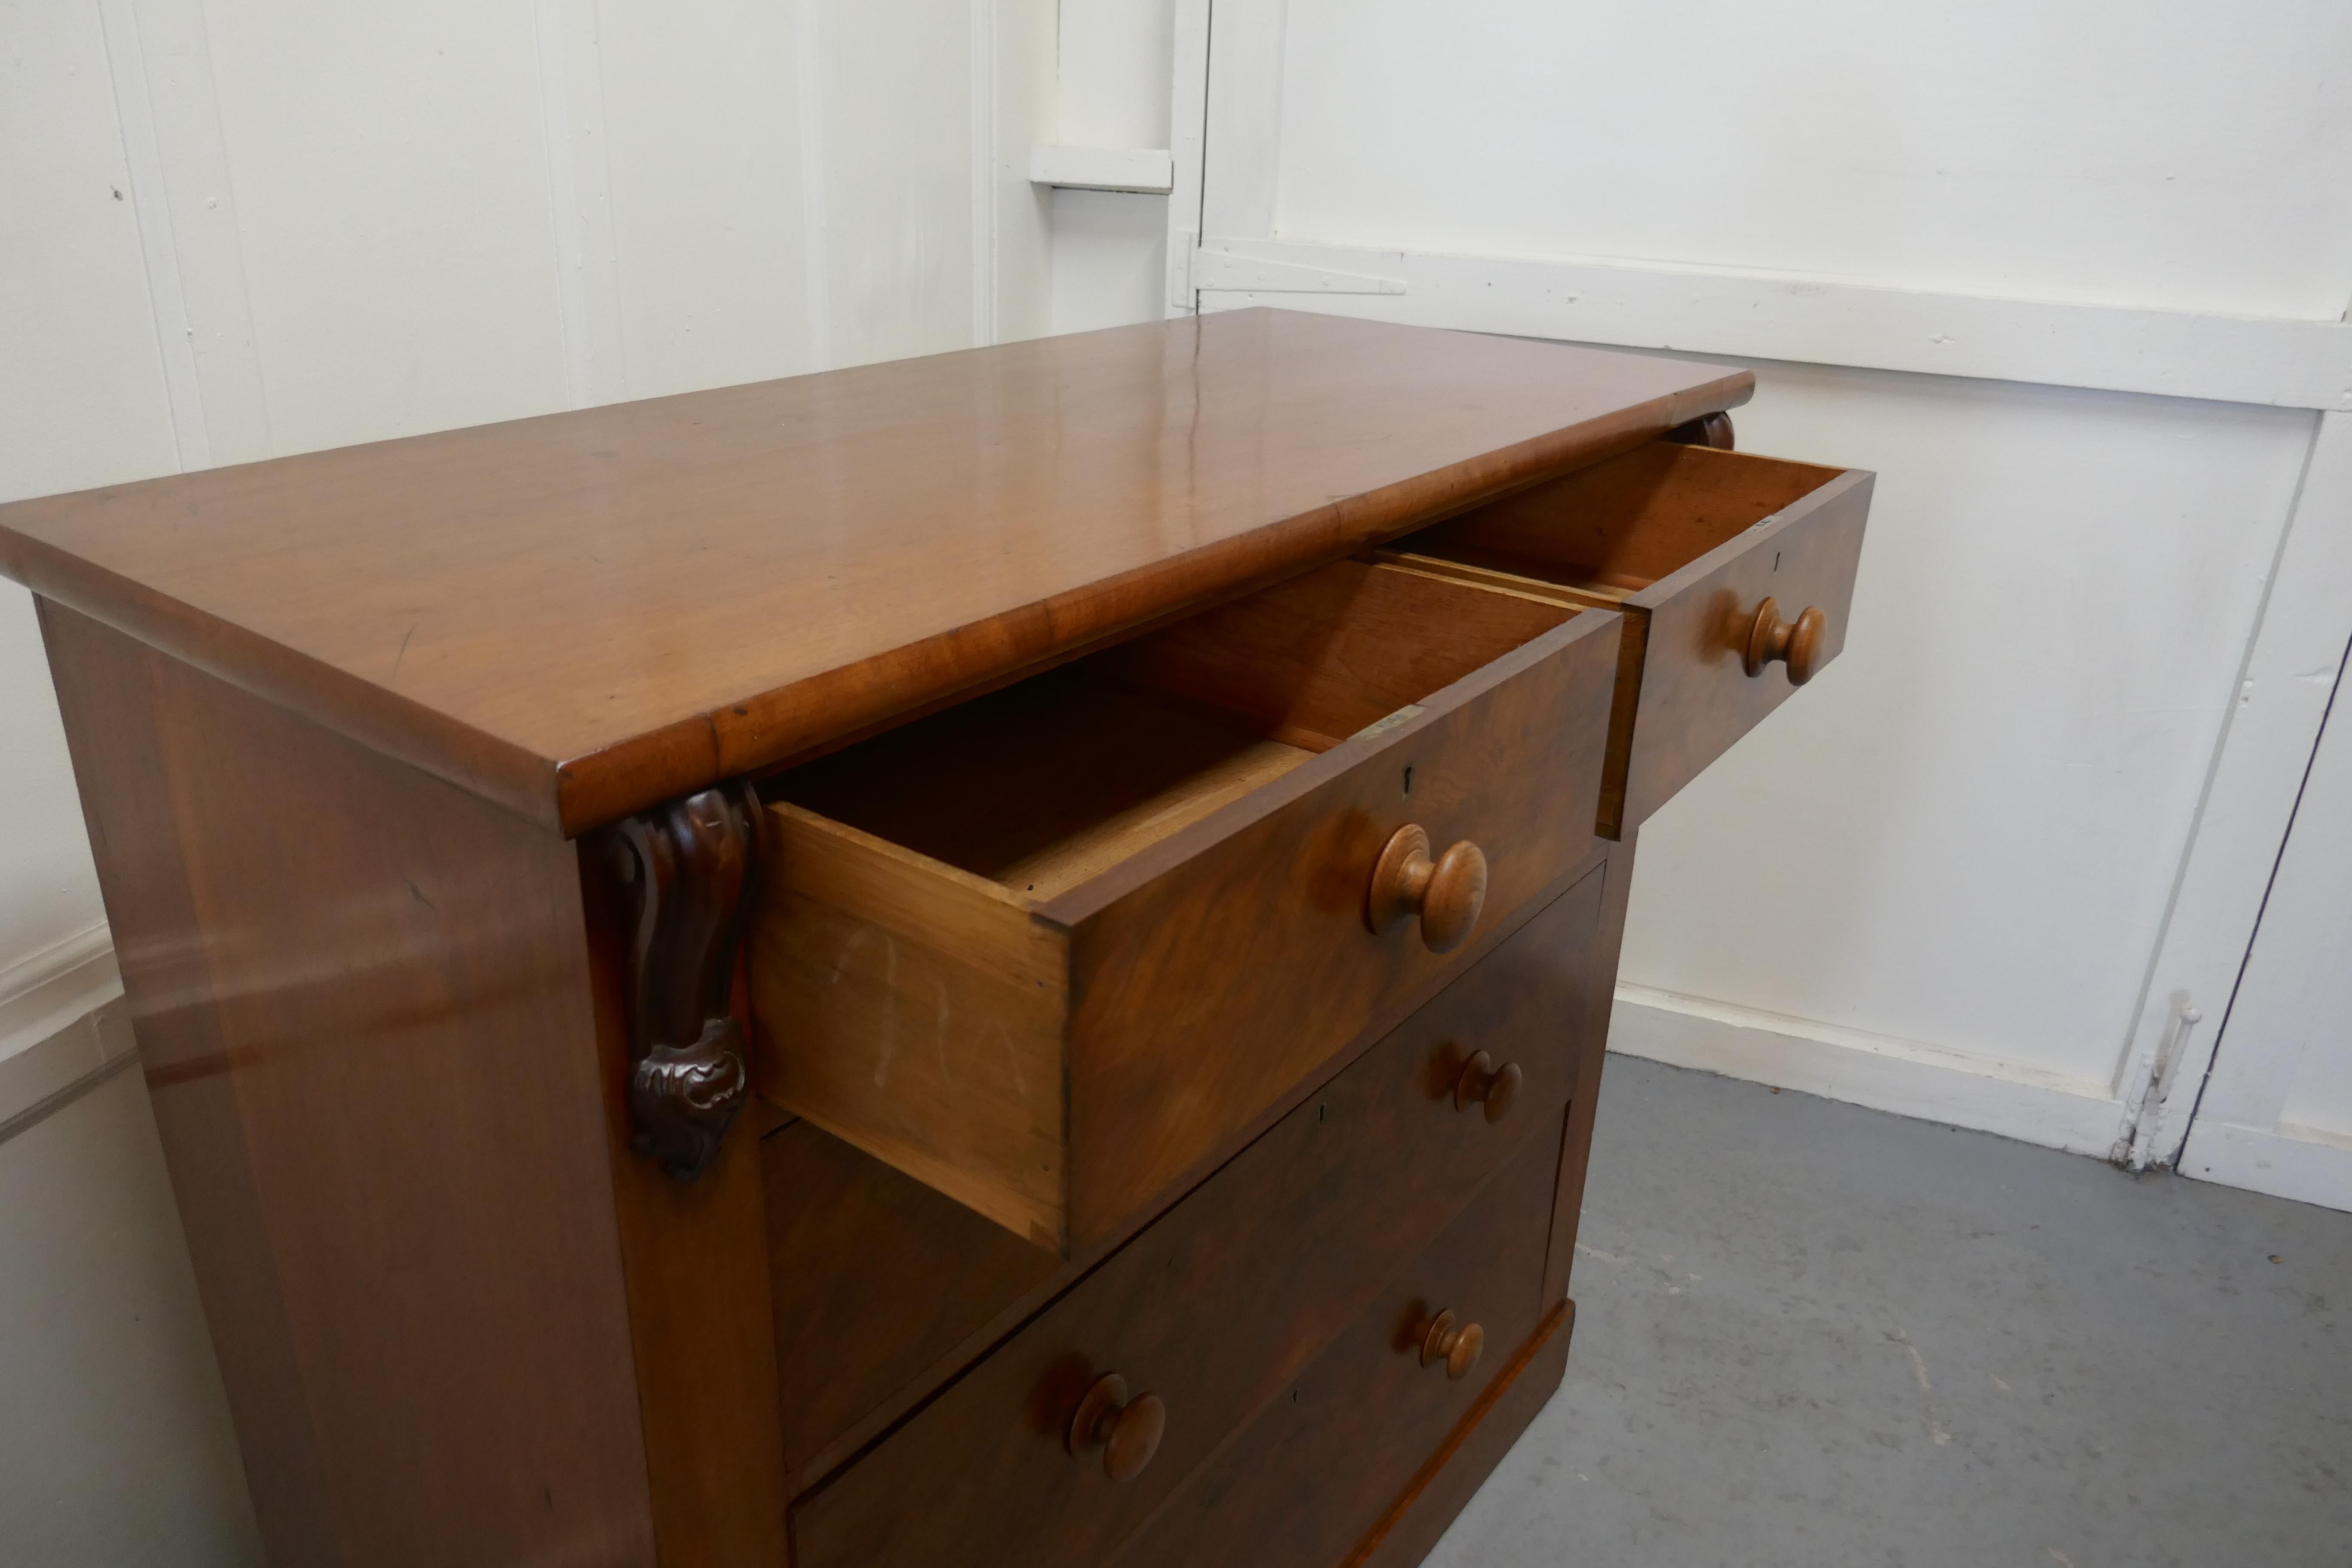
(1613, 529)
(1051, 781)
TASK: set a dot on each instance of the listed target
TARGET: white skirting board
(1885, 1074)
(64, 1029)
(2307, 1165)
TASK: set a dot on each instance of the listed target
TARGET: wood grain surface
(1687, 542)
(696, 1265)
(1055, 1058)
(1230, 961)
(877, 1279)
(1697, 697)
(1632, 520)
(1219, 1304)
(579, 615)
(925, 1287)
(1599, 996)
(1328, 1456)
(918, 1012)
(1453, 1475)
(364, 1006)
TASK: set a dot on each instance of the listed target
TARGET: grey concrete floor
(1809, 1333)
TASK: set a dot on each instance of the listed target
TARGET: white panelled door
(2276, 1114)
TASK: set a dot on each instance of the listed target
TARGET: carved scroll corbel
(691, 866)
(1707, 430)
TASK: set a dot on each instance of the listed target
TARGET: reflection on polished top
(578, 615)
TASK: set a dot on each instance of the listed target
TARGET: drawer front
(1696, 696)
(1218, 1305)
(1057, 953)
(1238, 961)
(1470, 1453)
(1323, 1463)
(1690, 543)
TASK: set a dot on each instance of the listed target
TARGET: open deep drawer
(1734, 572)
(1054, 949)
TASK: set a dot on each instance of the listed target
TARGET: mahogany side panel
(1592, 1048)
(362, 1005)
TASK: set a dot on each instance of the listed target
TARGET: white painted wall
(81, 403)
(1963, 834)
(235, 228)
(1110, 248)
(1966, 874)
(2166, 153)
(118, 1448)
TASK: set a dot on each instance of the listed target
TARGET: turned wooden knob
(1126, 1431)
(1456, 1343)
(1796, 643)
(1483, 1083)
(1446, 893)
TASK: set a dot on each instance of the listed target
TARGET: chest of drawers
(999, 959)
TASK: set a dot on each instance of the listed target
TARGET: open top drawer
(1052, 950)
(1735, 573)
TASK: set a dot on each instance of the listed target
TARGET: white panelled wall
(1955, 850)
(2073, 278)
(1109, 247)
(235, 228)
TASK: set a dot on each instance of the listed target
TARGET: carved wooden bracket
(1707, 430)
(690, 865)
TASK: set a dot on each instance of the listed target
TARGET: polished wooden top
(578, 615)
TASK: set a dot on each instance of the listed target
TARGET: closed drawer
(1735, 573)
(1318, 1468)
(1053, 950)
(1216, 1307)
